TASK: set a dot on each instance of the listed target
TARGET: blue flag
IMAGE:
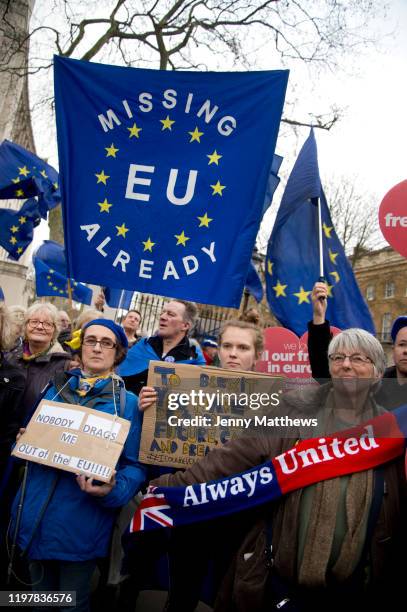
(253, 283)
(292, 265)
(24, 175)
(163, 175)
(273, 181)
(1, 295)
(116, 298)
(51, 276)
(17, 227)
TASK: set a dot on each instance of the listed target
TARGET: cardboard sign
(199, 408)
(74, 438)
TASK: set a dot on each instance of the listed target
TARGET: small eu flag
(24, 175)
(17, 227)
(292, 264)
(118, 298)
(50, 274)
(164, 174)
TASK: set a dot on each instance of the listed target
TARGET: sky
(368, 144)
(371, 140)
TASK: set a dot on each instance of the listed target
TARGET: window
(389, 289)
(370, 292)
(386, 326)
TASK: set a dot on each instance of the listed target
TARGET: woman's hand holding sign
(86, 484)
(148, 396)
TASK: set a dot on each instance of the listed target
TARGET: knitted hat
(116, 329)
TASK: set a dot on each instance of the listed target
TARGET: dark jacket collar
(180, 352)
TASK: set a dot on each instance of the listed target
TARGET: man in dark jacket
(393, 391)
(171, 343)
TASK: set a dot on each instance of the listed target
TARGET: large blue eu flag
(164, 174)
(292, 265)
(51, 274)
(17, 227)
(24, 175)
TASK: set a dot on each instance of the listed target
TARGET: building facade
(15, 125)
(382, 278)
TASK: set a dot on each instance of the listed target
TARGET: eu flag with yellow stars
(50, 274)
(292, 264)
(164, 175)
(24, 175)
(17, 227)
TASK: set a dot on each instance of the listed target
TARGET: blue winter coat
(59, 521)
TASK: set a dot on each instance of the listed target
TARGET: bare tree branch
(354, 216)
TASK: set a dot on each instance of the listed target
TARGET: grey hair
(13, 310)
(358, 340)
(7, 329)
(51, 310)
(87, 315)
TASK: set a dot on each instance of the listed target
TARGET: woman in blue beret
(67, 520)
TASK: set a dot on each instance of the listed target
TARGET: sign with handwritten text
(74, 438)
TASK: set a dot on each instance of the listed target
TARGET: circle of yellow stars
(135, 131)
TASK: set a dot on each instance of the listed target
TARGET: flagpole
(321, 278)
(245, 302)
(119, 305)
(321, 255)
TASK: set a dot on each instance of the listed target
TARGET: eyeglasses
(36, 323)
(105, 343)
(355, 359)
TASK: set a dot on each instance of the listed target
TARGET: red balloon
(393, 217)
(285, 354)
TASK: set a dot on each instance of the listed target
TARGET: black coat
(12, 383)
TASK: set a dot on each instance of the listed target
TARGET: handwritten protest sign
(199, 408)
(74, 438)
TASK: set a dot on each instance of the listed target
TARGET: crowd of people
(329, 549)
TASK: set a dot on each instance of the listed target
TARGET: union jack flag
(151, 507)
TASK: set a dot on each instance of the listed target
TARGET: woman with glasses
(338, 544)
(67, 519)
(40, 355)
